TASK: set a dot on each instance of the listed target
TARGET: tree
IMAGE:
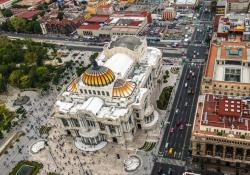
(3, 83)
(1, 135)
(24, 81)
(30, 57)
(36, 27)
(6, 12)
(213, 5)
(14, 77)
(60, 15)
(18, 23)
(43, 6)
(41, 73)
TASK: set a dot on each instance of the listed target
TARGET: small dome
(123, 88)
(98, 76)
(73, 86)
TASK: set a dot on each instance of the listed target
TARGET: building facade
(221, 133)
(238, 6)
(111, 100)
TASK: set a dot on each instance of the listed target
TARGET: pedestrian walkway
(173, 162)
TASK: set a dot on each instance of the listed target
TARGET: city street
(174, 154)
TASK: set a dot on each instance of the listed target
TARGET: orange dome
(73, 86)
(98, 76)
(123, 88)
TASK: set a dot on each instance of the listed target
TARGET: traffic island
(25, 167)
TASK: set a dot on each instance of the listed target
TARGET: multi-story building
(119, 23)
(238, 6)
(111, 100)
(186, 4)
(221, 7)
(221, 133)
(4, 4)
(65, 26)
(228, 69)
(234, 27)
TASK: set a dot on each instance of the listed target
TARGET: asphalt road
(182, 114)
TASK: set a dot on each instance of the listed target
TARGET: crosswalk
(173, 162)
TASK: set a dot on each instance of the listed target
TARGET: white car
(177, 110)
(186, 84)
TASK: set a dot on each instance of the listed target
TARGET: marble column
(244, 154)
(234, 152)
(214, 149)
(224, 152)
(203, 149)
(194, 148)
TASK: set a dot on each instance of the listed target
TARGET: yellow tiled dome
(123, 88)
(98, 76)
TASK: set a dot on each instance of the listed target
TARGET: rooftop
(188, 2)
(30, 2)
(233, 55)
(3, 1)
(226, 112)
(129, 42)
(232, 25)
(98, 19)
(90, 27)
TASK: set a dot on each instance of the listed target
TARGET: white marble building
(110, 101)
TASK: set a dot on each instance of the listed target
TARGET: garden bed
(26, 168)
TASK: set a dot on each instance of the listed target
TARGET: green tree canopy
(6, 12)
(14, 77)
(3, 85)
(30, 57)
(18, 23)
(24, 81)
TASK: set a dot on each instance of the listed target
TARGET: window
(94, 92)
(102, 126)
(232, 74)
(103, 93)
(81, 91)
(90, 123)
(107, 93)
(75, 122)
(112, 129)
(65, 122)
(85, 91)
(98, 92)
(90, 92)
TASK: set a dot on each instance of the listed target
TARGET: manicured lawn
(28, 168)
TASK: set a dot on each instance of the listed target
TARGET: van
(186, 84)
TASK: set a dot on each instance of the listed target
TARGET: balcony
(218, 154)
(229, 156)
(209, 153)
(152, 123)
(239, 157)
(149, 110)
